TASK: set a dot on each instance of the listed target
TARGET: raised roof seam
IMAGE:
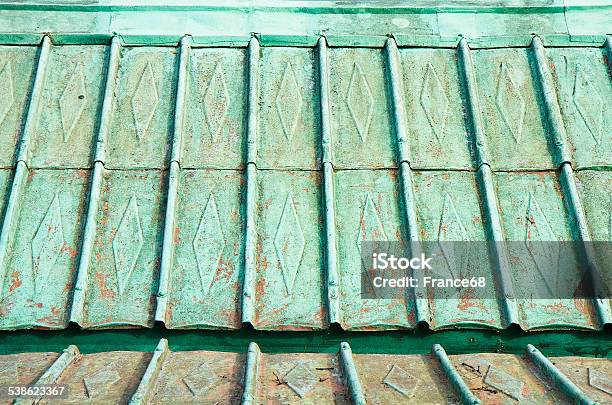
(179, 105)
(466, 395)
(147, 383)
(250, 240)
(107, 102)
(253, 99)
(485, 182)
(405, 173)
(251, 374)
(468, 79)
(332, 278)
(351, 375)
(168, 244)
(248, 287)
(31, 120)
(397, 96)
(560, 151)
(53, 374)
(89, 234)
(323, 65)
(9, 225)
(559, 379)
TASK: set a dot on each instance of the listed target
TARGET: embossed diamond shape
(401, 381)
(451, 230)
(144, 101)
(216, 101)
(289, 102)
(72, 101)
(127, 244)
(434, 102)
(99, 383)
(504, 382)
(200, 381)
(360, 101)
(589, 103)
(510, 102)
(370, 226)
(300, 379)
(47, 244)
(545, 255)
(370, 229)
(600, 380)
(208, 244)
(289, 243)
(6, 90)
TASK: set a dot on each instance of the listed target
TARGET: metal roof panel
(360, 116)
(532, 209)
(582, 84)
(200, 376)
(69, 107)
(143, 108)
(448, 209)
(436, 123)
(289, 251)
(215, 109)
(208, 237)
(38, 285)
(288, 112)
(368, 207)
(122, 276)
(104, 377)
(510, 106)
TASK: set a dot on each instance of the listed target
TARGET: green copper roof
(208, 187)
(157, 167)
(251, 377)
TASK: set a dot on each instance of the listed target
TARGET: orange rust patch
(582, 305)
(260, 287)
(66, 248)
(101, 281)
(467, 303)
(16, 282)
(175, 236)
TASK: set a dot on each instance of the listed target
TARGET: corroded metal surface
(403, 379)
(207, 187)
(342, 377)
(499, 378)
(592, 376)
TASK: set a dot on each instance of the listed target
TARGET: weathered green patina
(173, 166)
(339, 145)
